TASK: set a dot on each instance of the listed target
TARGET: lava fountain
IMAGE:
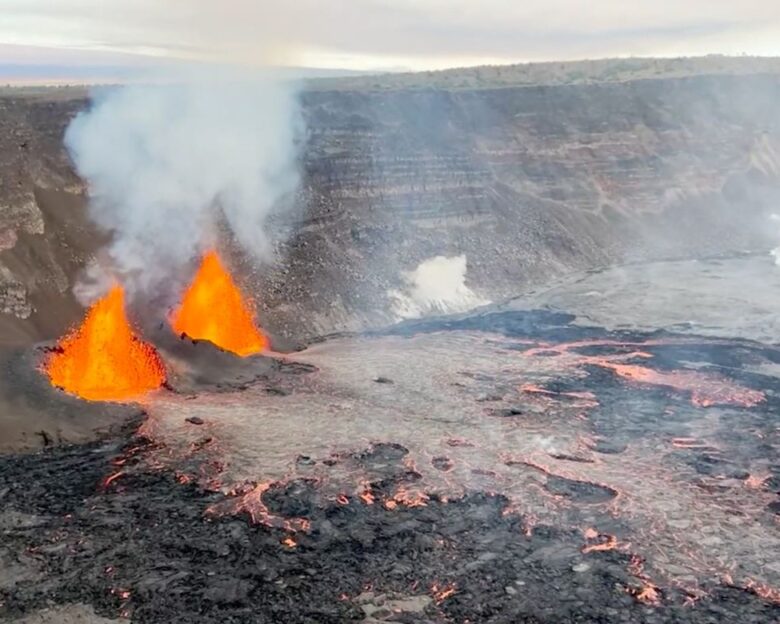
(214, 309)
(103, 359)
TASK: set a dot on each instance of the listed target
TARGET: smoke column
(166, 161)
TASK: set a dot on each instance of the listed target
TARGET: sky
(369, 35)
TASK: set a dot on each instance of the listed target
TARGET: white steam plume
(436, 286)
(775, 253)
(166, 161)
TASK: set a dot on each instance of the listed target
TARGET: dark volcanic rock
(579, 490)
(142, 546)
(33, 414)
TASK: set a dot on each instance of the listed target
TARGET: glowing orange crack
(442, 592)
(251, 502)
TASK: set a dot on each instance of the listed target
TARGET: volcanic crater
(605, 449)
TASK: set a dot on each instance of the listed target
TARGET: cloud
(372, 33)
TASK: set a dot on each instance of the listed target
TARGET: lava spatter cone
(103, 359)
(214, 309)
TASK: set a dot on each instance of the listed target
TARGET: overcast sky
(380, 34)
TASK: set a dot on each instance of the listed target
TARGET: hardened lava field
(503, 467)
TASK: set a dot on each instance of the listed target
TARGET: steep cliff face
(45, 235)
(527, 183)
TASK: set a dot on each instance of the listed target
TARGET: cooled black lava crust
(149, 537)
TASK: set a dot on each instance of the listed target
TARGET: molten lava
(214, 309)
(103, 360)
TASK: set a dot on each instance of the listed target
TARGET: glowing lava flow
(103, 360)
(213, 309)
(706, 390)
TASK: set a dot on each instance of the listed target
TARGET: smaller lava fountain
(103, 360)
(214, 309)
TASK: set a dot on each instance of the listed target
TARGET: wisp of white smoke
(166, 161)
(775, 253)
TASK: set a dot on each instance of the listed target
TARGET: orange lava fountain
(103, 360)
(214, 309)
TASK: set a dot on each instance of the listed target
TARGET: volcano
(602, 447)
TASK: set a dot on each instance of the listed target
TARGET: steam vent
(502, 346)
